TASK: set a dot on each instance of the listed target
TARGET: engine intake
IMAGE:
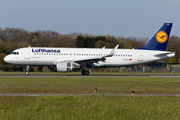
(64, 67)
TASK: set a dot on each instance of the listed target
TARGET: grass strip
(70, 85)
(89, 107)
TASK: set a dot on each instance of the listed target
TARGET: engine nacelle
(64, 67)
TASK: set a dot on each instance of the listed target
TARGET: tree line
(14, 38)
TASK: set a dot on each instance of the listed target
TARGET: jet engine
(64, 67)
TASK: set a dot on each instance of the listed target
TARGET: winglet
(112, 52)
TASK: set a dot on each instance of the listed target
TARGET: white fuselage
(35, 56)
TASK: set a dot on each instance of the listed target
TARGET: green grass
(89, 108)
(63, 85)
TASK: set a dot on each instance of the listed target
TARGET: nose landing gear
(27, 70)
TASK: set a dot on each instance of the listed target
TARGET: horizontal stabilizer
(168, 54)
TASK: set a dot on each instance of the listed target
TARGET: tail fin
(160, 38)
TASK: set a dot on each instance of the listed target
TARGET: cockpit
(15, 53)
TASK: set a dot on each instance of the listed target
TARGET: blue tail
(160, 38)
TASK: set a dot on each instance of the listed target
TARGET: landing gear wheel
(27, 70)
(85, 72)
(26, 73)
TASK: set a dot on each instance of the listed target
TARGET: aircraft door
(140, 56)
(27, 54)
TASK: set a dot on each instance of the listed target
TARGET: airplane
(67, 59)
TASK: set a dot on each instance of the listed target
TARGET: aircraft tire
(26, 73)
(85, 72)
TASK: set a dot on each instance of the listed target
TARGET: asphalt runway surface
(89, 75)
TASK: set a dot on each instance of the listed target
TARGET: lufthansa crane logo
(161, 36)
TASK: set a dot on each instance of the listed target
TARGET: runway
(90, 76)
(89, 94)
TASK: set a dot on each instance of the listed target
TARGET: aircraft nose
(6, 59)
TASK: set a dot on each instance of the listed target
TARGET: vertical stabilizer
(160, 38)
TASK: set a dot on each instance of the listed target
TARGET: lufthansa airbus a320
(66, 59)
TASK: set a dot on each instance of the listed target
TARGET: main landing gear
(85, 72)
(27, 70)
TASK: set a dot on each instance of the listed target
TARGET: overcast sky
(126, 18)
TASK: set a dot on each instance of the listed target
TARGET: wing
(89, 60)
(96, 59)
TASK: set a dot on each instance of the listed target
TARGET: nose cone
(7, 59)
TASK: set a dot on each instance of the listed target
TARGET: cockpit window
(15, 53)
